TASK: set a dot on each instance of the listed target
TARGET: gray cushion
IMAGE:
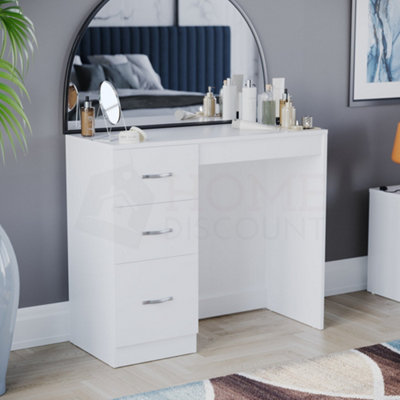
(108, 59)
(141, 66)
(121, 76)
(89, 76)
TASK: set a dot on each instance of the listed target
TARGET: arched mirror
(161, 56)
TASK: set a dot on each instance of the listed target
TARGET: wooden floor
(240, 342)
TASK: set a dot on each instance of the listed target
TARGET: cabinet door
(156, 300)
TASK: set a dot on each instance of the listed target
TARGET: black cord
(385, 189)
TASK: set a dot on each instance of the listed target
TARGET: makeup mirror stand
(110, 107)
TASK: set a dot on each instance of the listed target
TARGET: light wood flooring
(228, 344)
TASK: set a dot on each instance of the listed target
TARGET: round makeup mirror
(73, 96)
(109, 103)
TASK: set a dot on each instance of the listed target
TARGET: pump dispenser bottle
(87, 118)
(249, 102)
(209, 103)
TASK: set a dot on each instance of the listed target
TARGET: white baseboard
(47, 324)
(346, 276)
(41, 325)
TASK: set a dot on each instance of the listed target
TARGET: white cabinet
(196, 221)
(133, 250)
(383, 242)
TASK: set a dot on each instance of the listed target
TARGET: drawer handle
(157, 176)
(160, 232)
(158, 301)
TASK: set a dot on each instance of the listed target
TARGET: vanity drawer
(153, 175)
(155, 231)
(156, 300)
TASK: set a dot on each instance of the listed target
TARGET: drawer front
(156, 300)
(154, 175)
(155, 231)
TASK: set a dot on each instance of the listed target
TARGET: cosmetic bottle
(282, 102)
(221, 98)
(209, 103)
(288, 114)
(229, 104)
(278, 87)
(267, 107)
(249, 102)
(260, 99)
(87, 118)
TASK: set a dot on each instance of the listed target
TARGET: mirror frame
(82, 31)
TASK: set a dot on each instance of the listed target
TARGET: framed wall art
(375, 52)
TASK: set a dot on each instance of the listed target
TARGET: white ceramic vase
(9, 298)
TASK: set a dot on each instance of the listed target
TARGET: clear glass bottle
(87, 118)
(266, 107)
(288, 114)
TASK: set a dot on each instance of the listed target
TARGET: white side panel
(295, 237)
(383, 248)
(90, 255)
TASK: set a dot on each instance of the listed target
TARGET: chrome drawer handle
(157, 176)
(160, 232)
(158, 301)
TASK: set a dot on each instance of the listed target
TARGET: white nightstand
(384, 242)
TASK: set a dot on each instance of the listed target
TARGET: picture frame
(375, 53)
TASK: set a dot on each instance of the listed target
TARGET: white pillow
(108, 59)
(77, 60)
(141, 66)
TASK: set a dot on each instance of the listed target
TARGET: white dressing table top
(199, 135)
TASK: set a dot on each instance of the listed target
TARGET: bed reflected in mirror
(162, 56)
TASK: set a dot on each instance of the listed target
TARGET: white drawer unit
(133, 250)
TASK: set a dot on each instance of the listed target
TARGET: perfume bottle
(209, 103)
(266, 107)
(87, 118)
(282, 102)
(288, 114)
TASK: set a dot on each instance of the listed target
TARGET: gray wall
(307, 41)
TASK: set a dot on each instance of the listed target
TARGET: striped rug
(371, 372)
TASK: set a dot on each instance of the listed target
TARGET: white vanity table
(195, 222)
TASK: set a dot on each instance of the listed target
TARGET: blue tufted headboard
(186, 57)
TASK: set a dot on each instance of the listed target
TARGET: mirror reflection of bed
(162, 55)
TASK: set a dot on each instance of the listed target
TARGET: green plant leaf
(18, 39)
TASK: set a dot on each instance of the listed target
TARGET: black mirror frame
(82, 31)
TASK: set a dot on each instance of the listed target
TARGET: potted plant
(18, 40)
